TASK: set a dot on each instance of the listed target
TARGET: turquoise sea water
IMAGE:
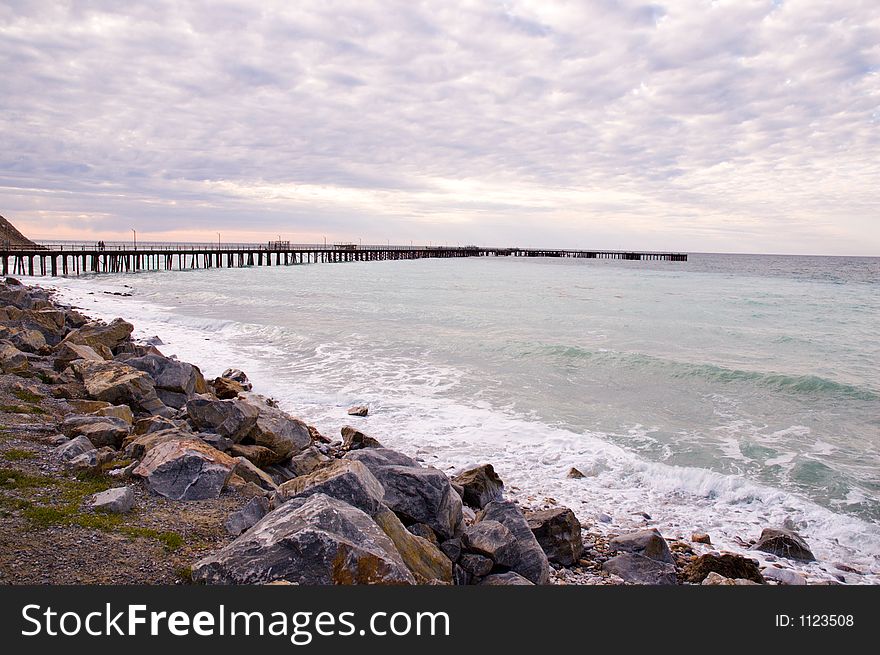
(725, 393)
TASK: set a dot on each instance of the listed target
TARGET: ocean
(723, 394)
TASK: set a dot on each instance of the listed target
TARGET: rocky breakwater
(311, 510)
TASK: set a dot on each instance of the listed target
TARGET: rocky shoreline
(121, 465)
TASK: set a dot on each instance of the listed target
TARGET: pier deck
(77, 259)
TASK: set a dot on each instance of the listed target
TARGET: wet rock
(559, 533)
(784, 543)
(233, 419)
(308, 460)
(97, 334)
(118, 500)
(316, 540)
(701, 538)
(117, 384)
(533, 563)
(226, 388)
(424, 559)
(729, 565)
(185, 469)
(649, 543)
(784, 576)
(247, 516)
(236, 375)
(574, 474)
(354, 439)
(714, 579)
(480, 485)
(639, 569)
(493, 540)
(70, 449)
(358, 410)
(504, 579)
(345, 480)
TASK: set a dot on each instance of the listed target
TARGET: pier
(78, 259)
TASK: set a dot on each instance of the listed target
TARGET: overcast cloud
(741, 125)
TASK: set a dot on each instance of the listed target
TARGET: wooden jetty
(77, 259)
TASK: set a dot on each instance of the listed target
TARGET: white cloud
(739, 125)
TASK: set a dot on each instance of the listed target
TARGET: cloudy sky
(733, 125)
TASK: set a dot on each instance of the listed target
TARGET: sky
(725, 126)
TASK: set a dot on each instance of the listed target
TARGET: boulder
(104, 432)
(97, 334)
(138, 445)
(714, 579)
(316, 540)
(250, 473)
(559, 533)
(480, 485)
(729, 565)
(25, 339)
(118, 500)
(423, 558)
(122, 412)
(493, 540)
(233, 419)
(238, 376)
(118, 384)
(420, 495)
(424, 531)
(247, 516)
(345, 480)
(226, 388)
(354, 439)
(184, 469)
(475, 564)
(170, 374)
(575, 474)
(504, 579)
(533, 563)
(257, 454)
(276, 430)
(451, 548)
(172, 398)
(70, 449)
(308, 460)
(154, 424)
(358, 410)
(784, 543)
(784, 576)
(701, 538)
(91, 461)
(12, 360)
(639, 569)
(66, 353)
(648, 543)
(378, 457)
(87, 406)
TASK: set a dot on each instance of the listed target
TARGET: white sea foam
(413, 409)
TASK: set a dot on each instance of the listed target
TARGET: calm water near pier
(724, 394)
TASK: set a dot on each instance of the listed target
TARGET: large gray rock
(639, 569)
(648, 543)
(120, 384)
(247, 516)
(316, 540)
(100, 430)
(480, 485)
(170, 374)
(276, 430)
(118, 500)
(533, 563)
(378, 457)
(559, 533)
(248, 472)
(416, 494)
(96, 334)
(184, 469)
(784, 543)
(91, 461)
(233, 419)
(345, 480)
(492, 539)
(424, 559)
(70, 449)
